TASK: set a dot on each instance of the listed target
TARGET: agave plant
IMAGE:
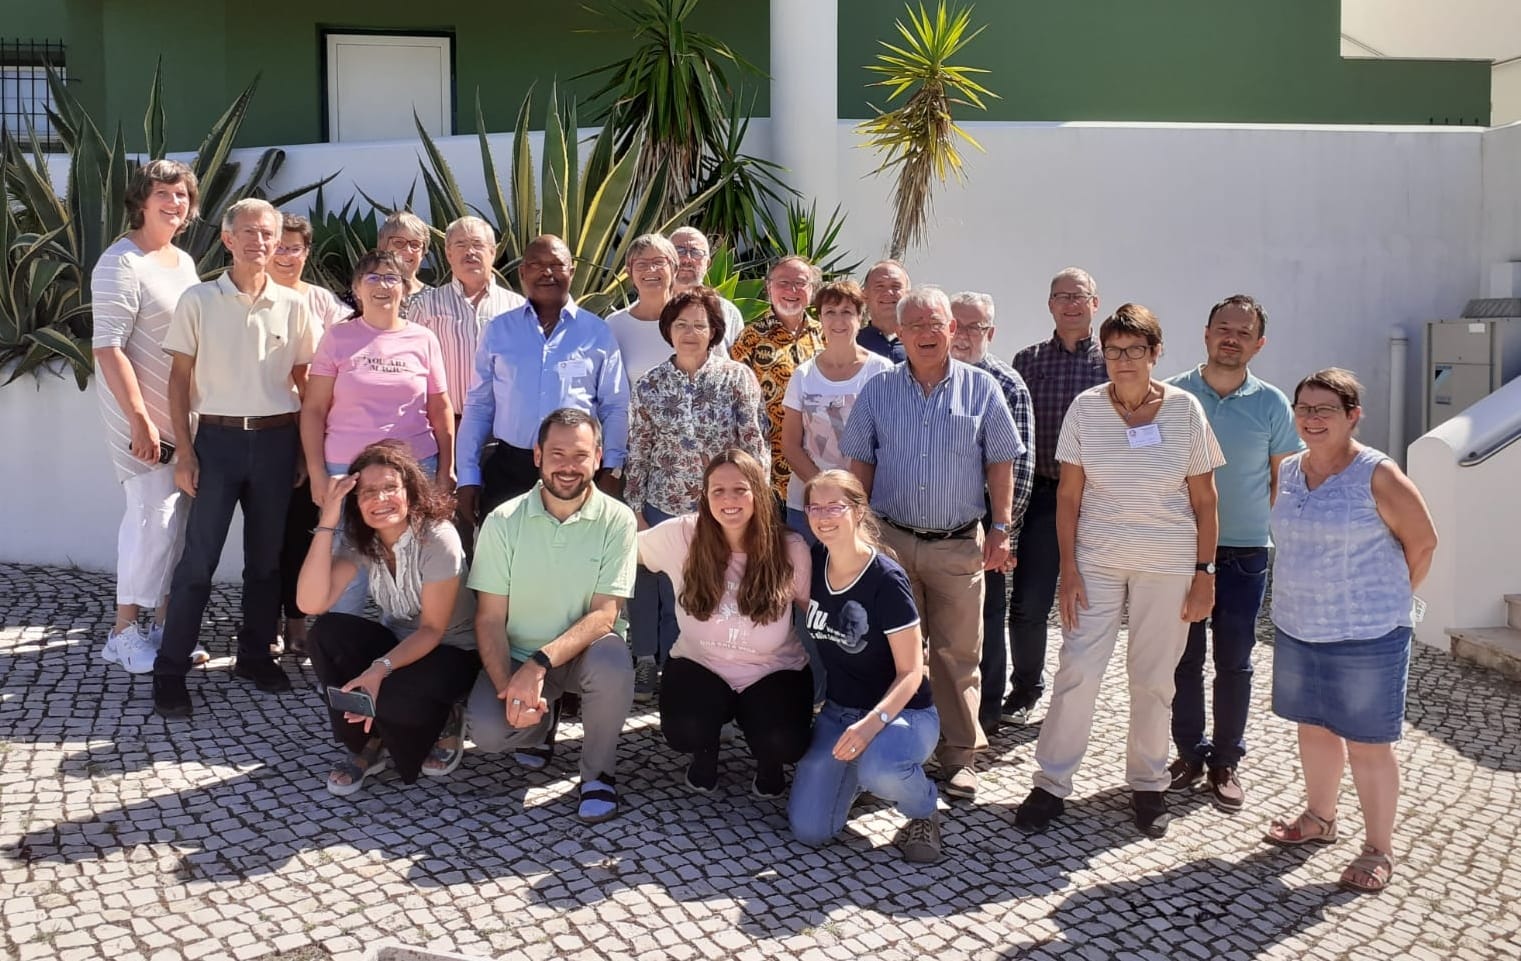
(593, 203)
(918, 138)
(673, 91)
(339, 239)
(726, 276)
(55, 241)
(802, 234)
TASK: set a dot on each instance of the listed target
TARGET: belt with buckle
(966, 530)
(248, 423)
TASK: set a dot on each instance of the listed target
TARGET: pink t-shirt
(381, 383)
(729, 644)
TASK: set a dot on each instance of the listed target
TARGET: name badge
(1148, 436)
(575, 367)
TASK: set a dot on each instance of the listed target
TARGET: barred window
(24, 93)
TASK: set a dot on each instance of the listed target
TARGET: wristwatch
(385, 662)
(1000, 527)
(1206, 567)
(541, 659)
(884, 717)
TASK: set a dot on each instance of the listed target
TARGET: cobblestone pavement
(126, 837)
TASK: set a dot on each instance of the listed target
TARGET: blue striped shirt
(931, 453)
(521, 377)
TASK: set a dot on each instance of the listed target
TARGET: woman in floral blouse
(685, 411)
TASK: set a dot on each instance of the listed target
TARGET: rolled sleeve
(114, 302)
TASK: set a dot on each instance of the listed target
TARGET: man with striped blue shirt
(928, 440)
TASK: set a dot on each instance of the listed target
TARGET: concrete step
(1513, 610)
(1497, 648)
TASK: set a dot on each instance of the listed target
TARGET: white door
(374, 82)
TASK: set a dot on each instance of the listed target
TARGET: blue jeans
(253, 469)
(891, 767)
(353, 598)
(1032, 590)
(1240, 581)
(652, 609)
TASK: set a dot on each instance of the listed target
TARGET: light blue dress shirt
(521, 376)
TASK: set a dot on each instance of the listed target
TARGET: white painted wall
(1477, 515)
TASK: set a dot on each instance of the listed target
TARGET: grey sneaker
(646, 680)
(919, 840)
(961, 782)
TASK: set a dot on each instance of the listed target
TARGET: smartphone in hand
(165, 451)
(350, 702)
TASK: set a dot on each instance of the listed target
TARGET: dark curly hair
(425, 503)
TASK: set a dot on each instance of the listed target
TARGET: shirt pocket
(961, 432)
(274, 334)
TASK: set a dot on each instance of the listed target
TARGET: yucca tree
(918, 139)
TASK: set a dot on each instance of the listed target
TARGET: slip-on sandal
(444, 760)
(1308, 828)
(357, 768)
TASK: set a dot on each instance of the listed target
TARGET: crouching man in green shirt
(552, 570)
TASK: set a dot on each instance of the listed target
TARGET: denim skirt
(1354, 689)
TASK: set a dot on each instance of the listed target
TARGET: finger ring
(516, 701)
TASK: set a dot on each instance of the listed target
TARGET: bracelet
(330, 530)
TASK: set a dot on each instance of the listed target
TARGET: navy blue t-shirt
(851, 626)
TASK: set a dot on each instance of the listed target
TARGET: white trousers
(151, 536)
(1158, 635)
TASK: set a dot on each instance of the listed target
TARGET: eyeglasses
(687, 327)
(373, 493)
(290, 250)
(651, 264)
(401, 243)
(825, 511)
(974, 328)
(1133, 352)
(938, 327)
(1319, 411)
(1065, 298)
(471, 246)
(384, 280)
(696, 253)
(791, 284)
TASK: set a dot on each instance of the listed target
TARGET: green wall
(1051, 60)
(1262, 61)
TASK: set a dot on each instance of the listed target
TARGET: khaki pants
(1158, 635)
(947, 580)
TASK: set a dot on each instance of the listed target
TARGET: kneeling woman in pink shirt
(737, 572)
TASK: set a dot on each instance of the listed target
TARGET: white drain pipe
(1399, 345)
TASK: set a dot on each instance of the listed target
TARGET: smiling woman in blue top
(878, 725)
(532, 361)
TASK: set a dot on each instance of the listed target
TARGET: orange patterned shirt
(772, 352)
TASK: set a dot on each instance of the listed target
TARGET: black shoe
(768, 784)
(170, 699)
(702, 773)
(1184, 773)
(266, 675)
(1037, 811)
(1151, 813)
(1016, 709)
(570, 705)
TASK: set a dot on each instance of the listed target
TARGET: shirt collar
(225, 285)
(491, 288)
(567, 313)
(591, 510)
(1249, 386)
(950, 372)
(1083, 346)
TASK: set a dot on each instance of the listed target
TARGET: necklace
(1114, 396)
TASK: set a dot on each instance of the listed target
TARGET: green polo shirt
(549, 569)
(1253, 424)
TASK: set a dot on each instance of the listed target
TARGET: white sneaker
(133, 651)
(111, 652)
(198, 655)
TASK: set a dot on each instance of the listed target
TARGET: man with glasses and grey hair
(1056, 371)
(974, 335)
(693, 255)
(933, 442)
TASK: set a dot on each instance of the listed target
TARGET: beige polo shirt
(244, 347)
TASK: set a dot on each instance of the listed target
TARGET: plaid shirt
(1018, 396)
(1055, 376)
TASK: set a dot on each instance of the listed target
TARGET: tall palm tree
(919, 137)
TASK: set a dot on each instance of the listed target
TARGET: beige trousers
(1158, 635)
(947, 580)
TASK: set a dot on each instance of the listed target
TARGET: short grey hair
(815, 275)
(654, 242)
(982, 303)
(250, 205)
(403, 222)
(689, 230)
(1078, 275)
(468, 223)
(927, 296)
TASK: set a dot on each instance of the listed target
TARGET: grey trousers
(604, 677)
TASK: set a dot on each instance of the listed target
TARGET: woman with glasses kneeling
(418, 662)
(879, 725)
(736, 571)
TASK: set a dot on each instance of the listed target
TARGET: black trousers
(507, 472)
(414, 701)
(300, 518)
(775, 713)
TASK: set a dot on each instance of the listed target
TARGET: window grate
(24, 93)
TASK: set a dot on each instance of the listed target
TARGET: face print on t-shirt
(849, 630)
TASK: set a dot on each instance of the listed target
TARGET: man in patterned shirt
(974, 334)
(774, 346)
(1056, 371)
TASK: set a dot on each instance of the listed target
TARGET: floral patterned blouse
(678, 424)
(773, 352)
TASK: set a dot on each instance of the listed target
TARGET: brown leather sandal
(1374, 865)
(1308, 828)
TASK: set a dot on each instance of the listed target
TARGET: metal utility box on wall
(1469, 358)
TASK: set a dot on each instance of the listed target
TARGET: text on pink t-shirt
(381, 383)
